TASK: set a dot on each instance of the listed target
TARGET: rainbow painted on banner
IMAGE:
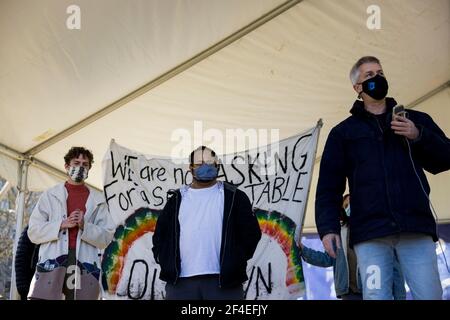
(274, 224)
(136, 225)
(281, 228)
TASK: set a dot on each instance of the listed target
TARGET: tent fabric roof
(285, 74)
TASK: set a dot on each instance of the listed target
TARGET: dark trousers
(352, 296)
(203, 287)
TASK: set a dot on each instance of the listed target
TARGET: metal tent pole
(5, 189)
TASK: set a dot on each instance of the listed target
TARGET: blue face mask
(206, 172)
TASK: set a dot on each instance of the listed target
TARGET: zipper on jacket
(379, 127)
(226, 232)
(385, 178)
(176, 239)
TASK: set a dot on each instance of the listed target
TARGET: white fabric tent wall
(69, 74)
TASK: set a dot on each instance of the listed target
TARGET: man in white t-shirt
(205, 235)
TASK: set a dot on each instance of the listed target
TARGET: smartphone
(399, 111)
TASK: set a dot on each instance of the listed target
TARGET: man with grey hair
(382, 156)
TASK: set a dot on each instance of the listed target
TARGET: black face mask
(376, 87)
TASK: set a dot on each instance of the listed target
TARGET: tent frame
(27, 158)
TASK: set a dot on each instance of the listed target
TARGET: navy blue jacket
(386, 195)
(240, 237)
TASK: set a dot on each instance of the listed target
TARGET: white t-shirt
(201, 219)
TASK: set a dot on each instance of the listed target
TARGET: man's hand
(81, 222)
(78, 218)
(67, 224)
(404, 127)
(328, 241)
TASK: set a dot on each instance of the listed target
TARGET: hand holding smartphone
(402, 125)
(398, 111)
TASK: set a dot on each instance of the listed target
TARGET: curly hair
(75, 152)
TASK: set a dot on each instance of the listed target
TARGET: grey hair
(354, 72)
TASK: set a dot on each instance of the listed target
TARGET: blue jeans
(416, 254)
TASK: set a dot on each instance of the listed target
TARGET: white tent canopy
(139, 70)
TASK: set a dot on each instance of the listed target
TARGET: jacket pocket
(361, 147)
